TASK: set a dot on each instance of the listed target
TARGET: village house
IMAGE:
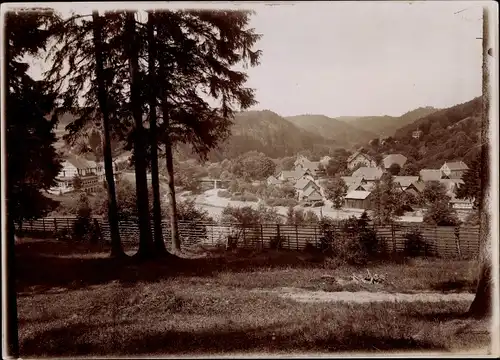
(273, 181)
(351, 182)
(430, 175)
(415, 188)
(417, 134)
(394, 159)
(454, 170)
(451, 185)
(461, 204)
(312, 194)
(73, 166)
(368, 173)
(405, 181)
(302, 185)
(293, 175)
(359, 158)
(303, 163)
(358, 200)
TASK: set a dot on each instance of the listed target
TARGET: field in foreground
(73, 301)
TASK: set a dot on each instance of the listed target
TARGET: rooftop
(357, 195)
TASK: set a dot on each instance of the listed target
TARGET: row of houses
(90, 173)
(361, 183)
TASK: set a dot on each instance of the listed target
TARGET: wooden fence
(448, 242)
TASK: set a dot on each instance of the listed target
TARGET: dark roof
(78, 162)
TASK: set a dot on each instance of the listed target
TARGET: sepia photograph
(250, 179)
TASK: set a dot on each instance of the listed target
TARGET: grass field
(73, 301)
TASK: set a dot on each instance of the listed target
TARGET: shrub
(223, 194)
(84, 228)
(276, 242)
(415, 244)
(282, 202)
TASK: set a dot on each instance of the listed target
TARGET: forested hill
(447, 135)
(267, 132)
(387, 125)
(341, 132)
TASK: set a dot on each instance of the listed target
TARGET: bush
(415, 244)
(276, 242)
(282, 202)
(223, 194)
(245, 197)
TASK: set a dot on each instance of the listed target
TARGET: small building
(405, 181)
(368, 173)
(415, 188)
(417, 134)
(430, 175)
(454, 170)
(302, 186)
(293, 175)
(312, 194)
(359, 158)
(358, 199)
(461, 204)
(88, 172)
(394, 159)
(303, 163)
(271, 180)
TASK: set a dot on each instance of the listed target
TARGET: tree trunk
(481, 307)
(141, 182)
(116, 245)
(155, 181)
(176, 243)
(12, 320)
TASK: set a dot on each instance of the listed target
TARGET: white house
(359, 158)
(90, 174)
(302, 185)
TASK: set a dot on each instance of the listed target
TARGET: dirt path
(302, 295)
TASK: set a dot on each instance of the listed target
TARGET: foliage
(441, 214)
(415, 244)
(31, 159)
(253, 166)
(434, 191)
(386, 200)
(394, 169)
(336, 190)
(83, 228)
(338, 163)
(223, 194)
(471, 189)
(77, 183)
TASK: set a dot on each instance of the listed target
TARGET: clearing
(73, 301)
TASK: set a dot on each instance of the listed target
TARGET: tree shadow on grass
(455, 286)
(98, 340)
(48, 264)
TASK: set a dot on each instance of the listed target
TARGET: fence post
(457, 240)
(55, 225)
(244, 237)
(297, 235)
(261, 237)
(315, 238)
(31, 225)
(394, 247)
(67, 223)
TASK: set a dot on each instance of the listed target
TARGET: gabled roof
(368, 173)
(456, 165)
(78, 162)
(310, 191)
(430, 174)
(418, 185)
(357, 195)
(271, 179)
(368, 186)
(405, 181)
(302, 183)
(355, 155)
(394, 159)
(311, 165)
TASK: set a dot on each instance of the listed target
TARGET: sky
(361, 58)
